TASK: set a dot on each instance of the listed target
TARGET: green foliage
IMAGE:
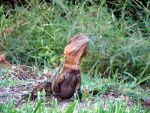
(114, 86)
(37, 35)
(101, 104)
(71, 108)
(117, 107)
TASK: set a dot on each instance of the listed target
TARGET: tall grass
(36, 35)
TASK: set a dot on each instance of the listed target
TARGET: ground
(13, 87)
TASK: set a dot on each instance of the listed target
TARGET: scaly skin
(67, 83)
(69, 80)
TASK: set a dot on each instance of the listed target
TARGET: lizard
(68, 81)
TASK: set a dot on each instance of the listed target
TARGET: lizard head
(76, 49)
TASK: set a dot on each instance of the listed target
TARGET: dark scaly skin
(64, 86)
(69, 80)
(67, 83)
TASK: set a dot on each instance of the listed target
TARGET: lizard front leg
(56, 84)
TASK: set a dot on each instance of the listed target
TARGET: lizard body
(68, 80)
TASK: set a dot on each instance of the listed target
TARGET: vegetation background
(36, 32)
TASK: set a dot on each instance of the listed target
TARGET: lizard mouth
(76, 49)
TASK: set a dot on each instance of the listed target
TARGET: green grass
(101, 104)
(117, 107)
(37, 36)
(119, 48)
